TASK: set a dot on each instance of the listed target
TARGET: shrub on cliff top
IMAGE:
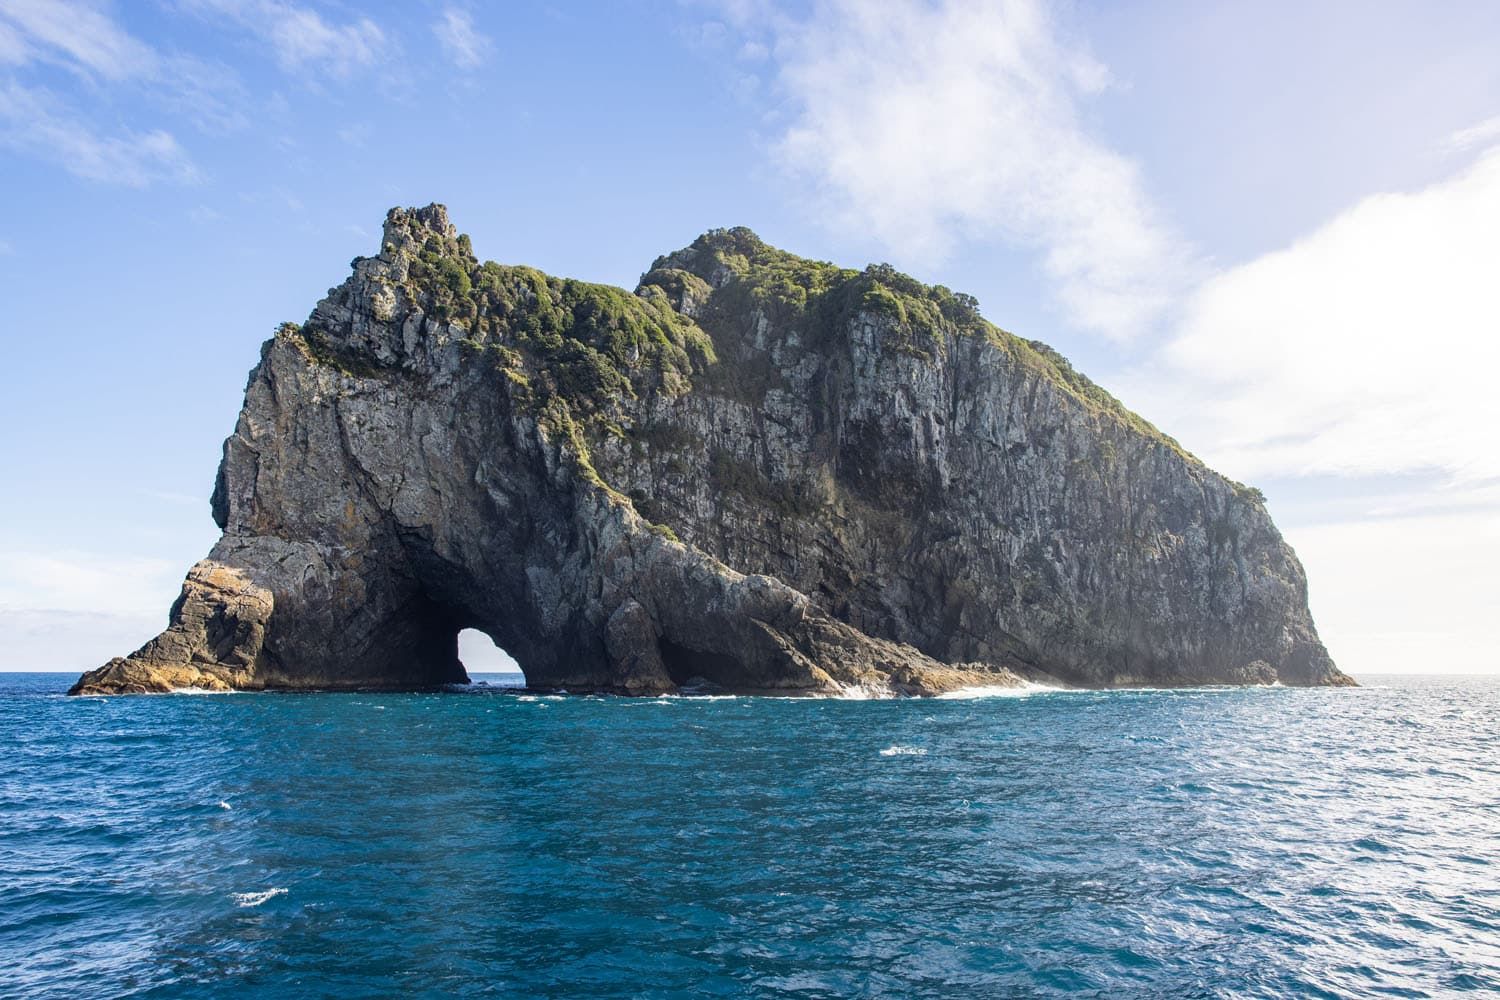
(820, 299)
(590, 344)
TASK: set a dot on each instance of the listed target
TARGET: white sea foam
(1024, 691)
(862, 692)
(901, 751)
(225, 805)
(256, 898)
(485, 687)
(198, 690)
(874, 692)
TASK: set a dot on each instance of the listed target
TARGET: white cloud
(466, 46)
(926, 124)
(39, 581)
(1365, 349)
(1368, 347)
(85, 37)
(708, 36)
(13, 51)
(302, 38)
(1408, 595)
(31, 121)
(1482, 134)
(85, 41)
(209, 95)
(71, 640)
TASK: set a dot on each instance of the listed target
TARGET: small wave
(225, 805)
(862, 692)
(901, 751)
(198, 690)
(1025, 690)
(256, 898)
(485, 687)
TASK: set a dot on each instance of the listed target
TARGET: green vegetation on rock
(586, 344)
(1090, 393)
(820, 300)
(748, 277)
(315, 344)
(578, 353)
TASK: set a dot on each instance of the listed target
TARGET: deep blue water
(1202, 843)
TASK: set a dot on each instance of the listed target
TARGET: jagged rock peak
(758, 472)
(412, 226)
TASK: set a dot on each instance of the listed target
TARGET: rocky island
(756, 471)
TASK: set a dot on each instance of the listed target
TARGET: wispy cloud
(78, 35)
(208, 95)
(466, 46)
(1367, 347)
(86, 42)
(111, 130)
(1485, 133)
(13, 51)
(33, 122)
(930, 124)
(301, 38)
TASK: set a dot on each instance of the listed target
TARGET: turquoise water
(1199, 843)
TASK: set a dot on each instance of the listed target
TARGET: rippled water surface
(1200, 843)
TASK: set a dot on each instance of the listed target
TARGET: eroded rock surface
(756, 472)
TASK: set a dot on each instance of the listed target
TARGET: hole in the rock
(485, 661)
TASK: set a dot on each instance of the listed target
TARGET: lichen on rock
(755, 472)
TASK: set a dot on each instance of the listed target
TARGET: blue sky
(1274, 229)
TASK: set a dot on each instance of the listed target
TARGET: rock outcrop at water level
(756, 472)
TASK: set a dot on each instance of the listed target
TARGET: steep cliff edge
(757, 471)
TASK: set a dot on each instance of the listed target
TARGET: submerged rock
(757, 472)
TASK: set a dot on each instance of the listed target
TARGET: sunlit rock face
(754, 473)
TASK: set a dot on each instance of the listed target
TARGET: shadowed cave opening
(692, 670)
(480, 654)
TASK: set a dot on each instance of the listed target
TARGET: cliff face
(756, 471)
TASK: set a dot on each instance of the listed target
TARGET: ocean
(1193, 843)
